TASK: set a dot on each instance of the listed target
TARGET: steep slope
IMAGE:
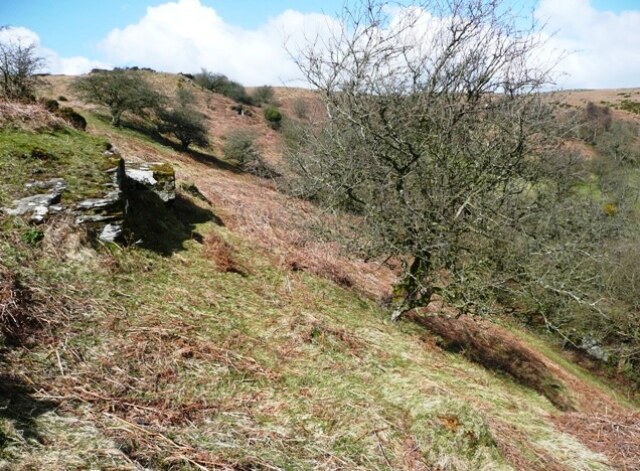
(247, 344)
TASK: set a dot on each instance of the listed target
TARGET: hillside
(229, 336)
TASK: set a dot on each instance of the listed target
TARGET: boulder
(159, 178)
(594, 349)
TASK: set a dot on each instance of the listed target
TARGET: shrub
(121, 91)
(183, 121)
(51, 105)
(220, 83)
(274, 116)
(300, 108)
(72, 117)
(186, 124)
(264, 95)
(18, 67)
(239, 147)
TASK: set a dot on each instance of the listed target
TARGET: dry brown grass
(497, 349)
(30, 117)
(512, 441)
(280, 225)
(223, 255)
(17, 319)
(615, 434)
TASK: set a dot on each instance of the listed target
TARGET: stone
(36, 205)
(110, 200)
(111, 232)
(160, 178)
(594, 349)
(56, 185)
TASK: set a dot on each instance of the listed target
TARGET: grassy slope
(169, 361)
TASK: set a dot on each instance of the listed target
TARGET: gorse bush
(274, 116)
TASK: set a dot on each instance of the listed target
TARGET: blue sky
(75, 27)
(244, 38)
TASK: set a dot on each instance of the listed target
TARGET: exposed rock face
(102, 216)
(39, 206)
(105, 216)
(160, 178)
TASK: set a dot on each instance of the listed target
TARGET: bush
(18, 67)
(183, 121)
(264, 95)
(274, 116)
(51, 105)
(72, 117)
(239, 147)
(300, 108)
(220, 83)
(186, 124)
(121, 91)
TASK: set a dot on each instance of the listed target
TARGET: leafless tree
(432, 134)
(19, 63)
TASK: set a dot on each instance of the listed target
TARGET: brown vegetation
(17, 321)
(615, 434)
(31, 117)
(222, 254)
(496, 349)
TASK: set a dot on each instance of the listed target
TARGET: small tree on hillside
(184, 122)
(120, 90)
(18, 65)
(432, 124)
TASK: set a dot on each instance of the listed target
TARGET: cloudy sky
(244, 38)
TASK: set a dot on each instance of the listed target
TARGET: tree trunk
(412, 286)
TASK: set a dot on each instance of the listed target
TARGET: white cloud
(601, 46)
(53, 62)
(184, 36)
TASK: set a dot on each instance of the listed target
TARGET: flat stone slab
(160, 178)
(36, 205)
(111, 199)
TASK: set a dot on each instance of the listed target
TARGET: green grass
(75, 155)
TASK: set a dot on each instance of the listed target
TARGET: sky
(244, 39)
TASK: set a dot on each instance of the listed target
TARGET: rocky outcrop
(104, 216)
(159, 178)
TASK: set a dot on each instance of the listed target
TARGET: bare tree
(18, 65)
(432, 135)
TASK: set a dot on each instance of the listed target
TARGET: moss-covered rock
(160, 178)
